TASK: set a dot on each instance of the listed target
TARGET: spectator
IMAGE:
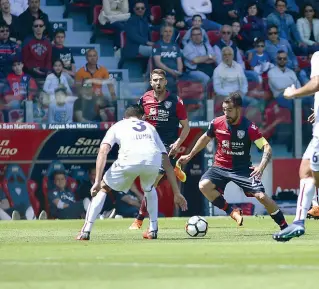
(127, 205)
(237, 37)
(197, 21)
(253, 25)
(56, 79)
(37, 52)
(308, 28)
(225, 12)
(148, 15)
(275, 44)
(60, 111)
(96, 74)
(8, 50)
(87, 107)
(137, 34)
(168, 6)
(84, 192)
(292, 7)
(20, 86)
(41, 107)
(259, 59)
(280, 77)
(59, 51)
(18, 6)
(26, 20)
(200, 59)
(170, 20)
(287, 27)
(62, 201)
(202, 8)
(229, 77)
(168, 57)
(114, 15)
(10, 19)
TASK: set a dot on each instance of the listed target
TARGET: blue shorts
(220, 177)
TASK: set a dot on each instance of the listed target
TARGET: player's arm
(256, 137)
(309, 88)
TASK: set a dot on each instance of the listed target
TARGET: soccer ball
(196, 226)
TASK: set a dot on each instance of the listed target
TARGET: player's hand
(173, 149)
(95, 189)
(311, 118)
(256, 173)
(289, 92)
(183, 160)
(180, 202)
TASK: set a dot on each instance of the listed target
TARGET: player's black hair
(59, 31)
(197, 15)
(284, 1)
(134, 110)
(235, 100)
(60, 172)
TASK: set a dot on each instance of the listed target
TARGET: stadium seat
(156, 12)
(47, 182)
(96, 25)
(155, 36)
(79, 174)
(213, 36)
(190, 90)
(15, 179)
(15, 115)
(303, 61)
(1, 116)
(75, 5)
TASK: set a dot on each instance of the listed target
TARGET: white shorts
(120, 178)
(308, 153)
(314, 154)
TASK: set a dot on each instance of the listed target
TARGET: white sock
(152, 208)
(29, 214)
(315, 200)
(4, 216)
(307, 190)
(93, 211)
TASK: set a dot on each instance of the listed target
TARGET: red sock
(143, 211)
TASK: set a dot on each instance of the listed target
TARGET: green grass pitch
(44, 254)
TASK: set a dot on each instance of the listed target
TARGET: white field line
(162, 265)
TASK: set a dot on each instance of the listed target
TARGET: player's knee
(260, 196)
(205, 185)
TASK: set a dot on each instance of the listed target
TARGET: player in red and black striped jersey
(165, 111)
(234, 135)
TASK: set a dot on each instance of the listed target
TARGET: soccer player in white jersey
(141, 154)
(307, 182)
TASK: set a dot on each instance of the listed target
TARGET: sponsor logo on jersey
(225, 144)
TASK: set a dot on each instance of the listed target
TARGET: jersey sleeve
(180, 110)
(256, 136)
(315, 65)
(211, 130)
(110, 137)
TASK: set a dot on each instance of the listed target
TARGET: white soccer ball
(196, 226)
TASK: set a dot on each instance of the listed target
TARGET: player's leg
(211, 184)
(116, 178)
(253, 187)
(148, 177)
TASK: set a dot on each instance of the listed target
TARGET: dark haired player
(165, 111)
(234, 134)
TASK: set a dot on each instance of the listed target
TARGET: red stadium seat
(303, 61)
(190, 90)
(156, 36)
(1, 116)
(213, 36)
(123, 39)
(96, 25)
(15, 115)
(156, 12)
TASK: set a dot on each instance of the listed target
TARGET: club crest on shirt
(152, 111)
(167, 104)
(240, 133)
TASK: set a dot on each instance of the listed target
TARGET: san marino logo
(240, 134)
(167, 104)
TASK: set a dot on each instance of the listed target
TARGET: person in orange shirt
(95, 74)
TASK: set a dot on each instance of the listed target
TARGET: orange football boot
(137, 224)
(313, 213)
(179, 173)
(237, 215)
